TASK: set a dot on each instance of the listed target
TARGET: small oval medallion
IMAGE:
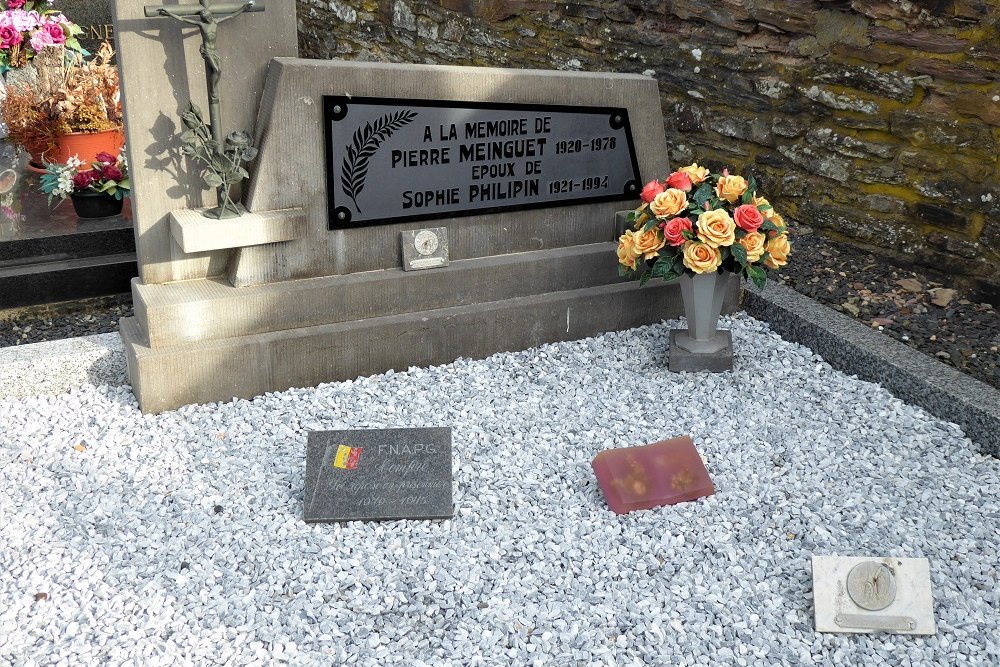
(426, 242)
(871, 585)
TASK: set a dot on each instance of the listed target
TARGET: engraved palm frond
(363, 146)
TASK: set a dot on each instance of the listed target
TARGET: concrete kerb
(58, 366)
(855, 349)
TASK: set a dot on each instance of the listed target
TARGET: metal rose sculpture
(223, 162)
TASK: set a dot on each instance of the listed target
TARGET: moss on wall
(875, 120)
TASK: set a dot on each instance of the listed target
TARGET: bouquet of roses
(107, 174)
(700, 222)
(28, 26)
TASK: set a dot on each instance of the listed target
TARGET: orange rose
(730, 188)
(716, 228)
(627, 254)
(669, 202)
(648, 243)
(754, 245)
(697, 174)
(701, 258)
(778, 248)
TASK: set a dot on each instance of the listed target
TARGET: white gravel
(177, 539)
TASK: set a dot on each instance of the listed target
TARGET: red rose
(672, 230)
(748, 218)
(652, 189)
(112, 173)
(83, 179)
(106, 158)
(679, 180)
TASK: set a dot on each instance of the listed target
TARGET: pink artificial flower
(24, 21)
(652, 189)
(9, 36)
(673, 230)
(748, 218)
(40, 39)
(56, 32)
(679, 180)
(15, 4)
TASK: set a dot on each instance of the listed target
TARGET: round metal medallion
(426, 242)
(871, 585)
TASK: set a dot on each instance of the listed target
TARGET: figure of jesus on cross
(207, 17)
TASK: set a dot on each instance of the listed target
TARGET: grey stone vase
(702, 346)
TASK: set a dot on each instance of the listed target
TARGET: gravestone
(376, 474)
(292, 293)
(94, 18)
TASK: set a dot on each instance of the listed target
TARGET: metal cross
(208, 17)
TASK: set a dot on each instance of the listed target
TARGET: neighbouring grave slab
(93, 17)
(378, 474)
(863, 594)
(648, 476)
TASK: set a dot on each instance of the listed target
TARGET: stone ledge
(858, 350)
(196, 233)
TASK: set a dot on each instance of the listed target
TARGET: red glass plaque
(663, 473)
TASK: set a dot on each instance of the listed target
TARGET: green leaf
(652, 222)
(769, 226)
(677, 266)
(645, 277)
(623, 270)
(189, 138)
(739, 252)
(631, 216)
(757, 275)
(661, 267)
(703, 194)
(751, 187)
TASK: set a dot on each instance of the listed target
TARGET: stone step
(198, 310)
(246, 366)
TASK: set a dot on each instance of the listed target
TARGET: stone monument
(309, 285)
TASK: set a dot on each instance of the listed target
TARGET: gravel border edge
(58, 366)
(858, 350)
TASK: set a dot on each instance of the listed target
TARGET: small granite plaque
(424, 248)
(376, 474)
(663, 473)
(860, 594)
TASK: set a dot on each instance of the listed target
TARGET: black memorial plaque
(377, 474)
(391, 160)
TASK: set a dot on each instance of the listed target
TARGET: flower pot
(85, 145)
(703, 295)
(95, 204)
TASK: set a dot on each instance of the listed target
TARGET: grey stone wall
(876, 121)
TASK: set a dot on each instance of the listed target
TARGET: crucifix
(207, 17)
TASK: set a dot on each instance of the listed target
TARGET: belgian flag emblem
(347, 457)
